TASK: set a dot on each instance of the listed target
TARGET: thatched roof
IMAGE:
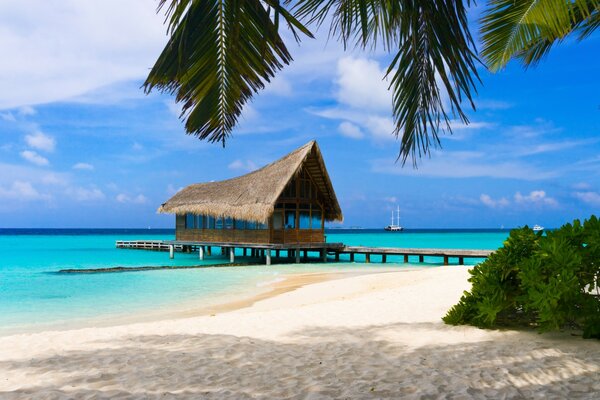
(252, 197)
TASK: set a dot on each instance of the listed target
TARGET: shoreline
(224, 303)
(373, 336)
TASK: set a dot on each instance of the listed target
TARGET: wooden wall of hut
(301, 195)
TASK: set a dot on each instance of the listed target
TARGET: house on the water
(283, 205)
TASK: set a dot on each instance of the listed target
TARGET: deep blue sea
(33, 296)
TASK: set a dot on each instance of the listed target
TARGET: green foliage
(222, 52)
(527, 29)
(549, 281)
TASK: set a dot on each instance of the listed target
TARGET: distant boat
(394, 227)
(538, 228)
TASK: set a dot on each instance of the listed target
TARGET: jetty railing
(294, 251)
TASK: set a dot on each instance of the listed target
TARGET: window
(210, 222)
(304, 219)
(200, 221)
(190, 220)
(250, 225)
(290, 219)
(219, 223)
(261, 225)
(277, 220)
(315, 219)
(228, 223)
(240, 224)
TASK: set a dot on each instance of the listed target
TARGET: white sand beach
(358, 337)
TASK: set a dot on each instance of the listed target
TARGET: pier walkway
(294, 251)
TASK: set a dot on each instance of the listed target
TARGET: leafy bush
(549, 281)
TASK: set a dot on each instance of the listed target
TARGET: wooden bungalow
(284, 203)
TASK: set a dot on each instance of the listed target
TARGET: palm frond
(527, 29)
(432, 43)
(219, 54)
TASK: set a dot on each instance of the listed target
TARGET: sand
(358, 337)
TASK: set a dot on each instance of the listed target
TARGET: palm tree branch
(219, 54)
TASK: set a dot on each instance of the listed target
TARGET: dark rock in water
(150, 268)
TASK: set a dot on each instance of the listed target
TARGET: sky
(81, 145)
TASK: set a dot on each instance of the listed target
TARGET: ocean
(33, 296)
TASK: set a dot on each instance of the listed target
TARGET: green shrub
(549, 281)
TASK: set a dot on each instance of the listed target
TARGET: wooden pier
(300, 252)
(157, 245)
(384, 252)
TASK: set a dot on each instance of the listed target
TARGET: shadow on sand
(315, 363)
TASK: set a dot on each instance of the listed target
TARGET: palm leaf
(431, 41)
(219, 54)
(527, 29)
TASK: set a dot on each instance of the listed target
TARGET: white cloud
(21, 190)
(483, 104)
(137, 146)
(361, 85)
(38, 140)
(239, 165)
(84, 194)
(34, 157)
(390, 199)
(488, 201)
(9, 117)
(463, 164)
(582, 186)
(83, 166)
(350, 130)
(27, 111)
(171, 189)
(381, 127)
(173, 107)
(537, 197)
(279, 86)
(80, 45)
(124, 198)
(592, 198)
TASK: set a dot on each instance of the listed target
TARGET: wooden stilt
(461, 260)
(244, 251)
(337, 256)
(231, 255)
(277, 252)
(352, 257)
(384, 258)
(406, 258)
(209, 251)
(445, 260)
(421, 259)
(367, 258)
(268, 260)
(297, 256)
(305, 255)
(171, 251)
(201, 253)
(324, 255)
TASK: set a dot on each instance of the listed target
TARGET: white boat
(537, 228)
(394, 227)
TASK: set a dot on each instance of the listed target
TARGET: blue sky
(82, 146)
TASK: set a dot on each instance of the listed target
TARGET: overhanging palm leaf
(432, 43)
(527, 29)
(219, 54)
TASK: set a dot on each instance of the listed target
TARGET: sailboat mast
(392, 217)
(398, 215)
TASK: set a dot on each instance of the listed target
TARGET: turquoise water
(33, 296)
